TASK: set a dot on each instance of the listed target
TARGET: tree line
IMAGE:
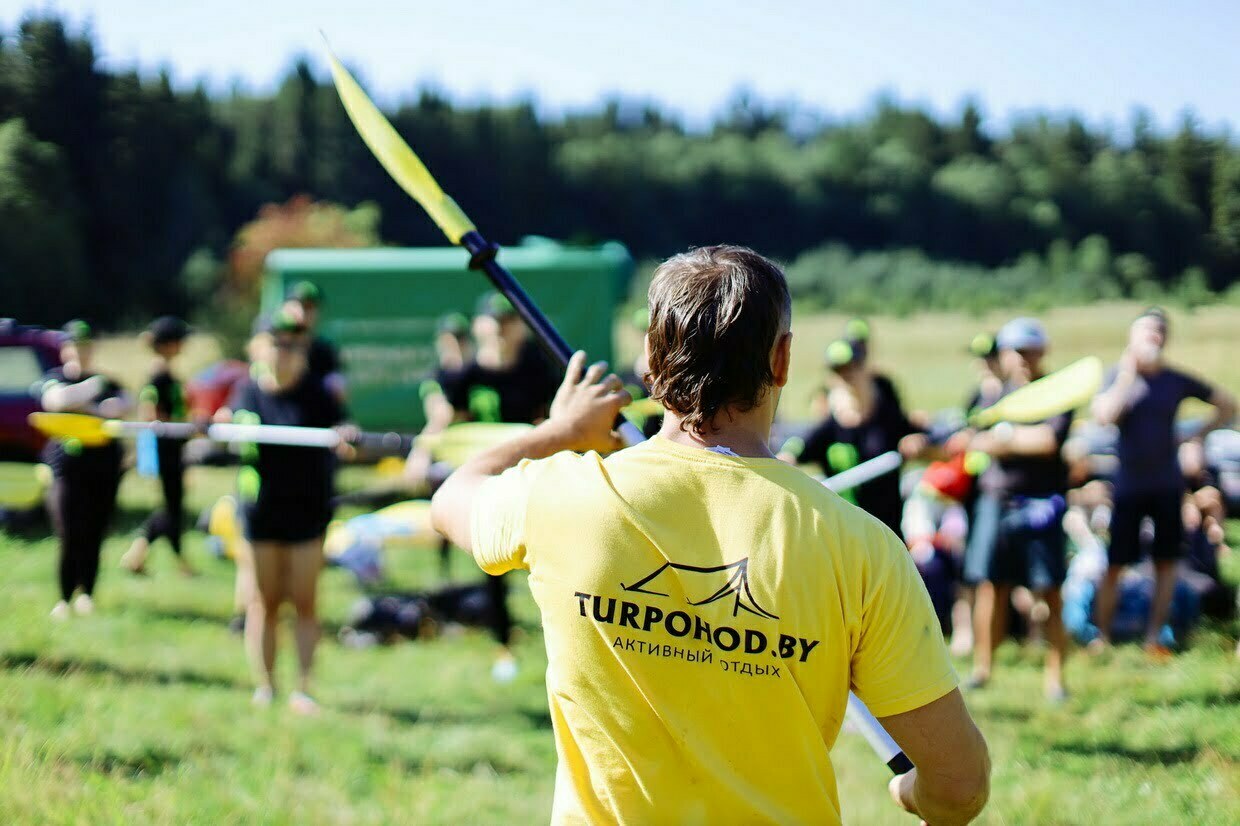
(121, 196)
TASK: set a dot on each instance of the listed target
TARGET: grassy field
(140, 714)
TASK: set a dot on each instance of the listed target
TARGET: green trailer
(381, 305)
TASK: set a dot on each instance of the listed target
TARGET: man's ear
(781, 359)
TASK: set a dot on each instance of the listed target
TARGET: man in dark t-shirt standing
(508, 380)
(1141, 397)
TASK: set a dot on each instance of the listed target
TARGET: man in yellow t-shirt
(707, 608)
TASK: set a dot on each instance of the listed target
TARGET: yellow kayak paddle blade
(395, 155)
(460, 442)
(90, 431)
(1060, 392)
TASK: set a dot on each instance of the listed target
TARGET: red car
(26, 353)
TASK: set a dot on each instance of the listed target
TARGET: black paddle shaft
(482, 257)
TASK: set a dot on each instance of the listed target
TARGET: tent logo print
(737, 585)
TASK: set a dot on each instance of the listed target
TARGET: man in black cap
(163, 399)
(85, 478)
(508, 380)
(303, 303)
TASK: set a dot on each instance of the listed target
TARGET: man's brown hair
(714, 315)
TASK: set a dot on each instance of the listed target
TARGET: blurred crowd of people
(1007, 523)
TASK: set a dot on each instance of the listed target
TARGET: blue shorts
(1029, 546)
(983, 531)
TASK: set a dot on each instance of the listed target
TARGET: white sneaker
(505, 669)
(299, 702)
(84, 605)
(60, 612)
(262, 696)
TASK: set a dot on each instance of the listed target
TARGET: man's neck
(745, 434)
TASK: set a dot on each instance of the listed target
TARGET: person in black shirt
(85, 478)
(305, 299)
(286, 494)
(163, 399)
(454, 349)
(1027, 481)
(864, 420)
(1141, 398)
(508, 380)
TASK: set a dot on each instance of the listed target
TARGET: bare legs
(990, 615)
(283, 572)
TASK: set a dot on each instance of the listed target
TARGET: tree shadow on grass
(180, 614)
(148, 763)
(534, 718)
(454, 763)
(1206, 697)
(1153, 756)
(65, 666)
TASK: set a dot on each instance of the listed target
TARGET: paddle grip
(482, 256)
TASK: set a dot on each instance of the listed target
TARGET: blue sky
(1100, 58)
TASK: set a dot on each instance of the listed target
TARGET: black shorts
(1033, 556)
(1129, 509)
(283, 524)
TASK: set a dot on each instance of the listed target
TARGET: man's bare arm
(581, 419)
(951, 781)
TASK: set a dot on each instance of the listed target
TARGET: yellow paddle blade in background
(1064, 390)
(91, 431)
(396, 156)
(460, 442)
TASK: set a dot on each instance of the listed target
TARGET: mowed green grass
(140, 714)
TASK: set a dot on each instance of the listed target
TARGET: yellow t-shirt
(704, 617)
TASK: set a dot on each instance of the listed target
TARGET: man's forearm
(1110, 405)
(453, 503)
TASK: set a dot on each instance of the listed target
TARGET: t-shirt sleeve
(457, 390)
(1194, 388)
(813, 448)
(242, 397)
(901, 662)
(497, 521)
(1061, 424)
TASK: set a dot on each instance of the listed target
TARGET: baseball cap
(840, 353)
(857, 329)
(278, 322)
(495, 305)
(983, 346)
(77, 330)
(306, 292)
(454, 323)
(1022, 334)
(167, 329)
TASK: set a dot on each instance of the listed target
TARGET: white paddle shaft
(864, 472)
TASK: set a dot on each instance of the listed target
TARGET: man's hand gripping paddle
(408, 171)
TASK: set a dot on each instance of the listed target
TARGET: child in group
(163, 399)
(85, 478)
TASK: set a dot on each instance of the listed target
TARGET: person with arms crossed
(706, 607)
(1141, 398)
